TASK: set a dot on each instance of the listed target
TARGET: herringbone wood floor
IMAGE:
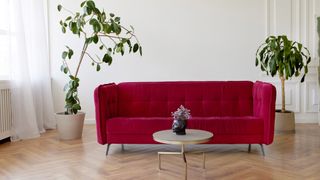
(295, 156)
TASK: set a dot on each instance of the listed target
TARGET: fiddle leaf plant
(287, 58)
(99, 29)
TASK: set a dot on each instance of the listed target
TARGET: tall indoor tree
(97, 28)
(102, 27)
(283, 57)
(287, 58)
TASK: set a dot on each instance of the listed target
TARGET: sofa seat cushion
(244, 125)
(137, 125)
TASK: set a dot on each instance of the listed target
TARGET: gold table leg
(203, 157)
(159, 161)
(204, 160)
(183, 153)
(185, 161)
(165, 153)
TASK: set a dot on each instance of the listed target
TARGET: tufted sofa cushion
(204, 99)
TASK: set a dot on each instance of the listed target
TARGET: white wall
(185, 40)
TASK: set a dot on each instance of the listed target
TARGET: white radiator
(5, 113)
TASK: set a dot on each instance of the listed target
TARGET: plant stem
(84, 48)
(131, 34)
(93, 58)
(115, 37)
(66, 64)
(104, 45)
(68, 10)
(112, 39)
(283, 108)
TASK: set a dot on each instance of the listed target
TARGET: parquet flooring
(294, 156)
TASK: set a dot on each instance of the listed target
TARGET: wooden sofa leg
(249, 148)
(262, 149)
(108, 146)
(122, 147)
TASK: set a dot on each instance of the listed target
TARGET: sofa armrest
(105, 100)
(264, 98)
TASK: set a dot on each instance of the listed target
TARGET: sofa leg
(262, 149)
(122, 147)
(249, 148)
(108, 146)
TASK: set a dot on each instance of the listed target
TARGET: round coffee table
(193, 136)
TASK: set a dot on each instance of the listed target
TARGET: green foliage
(279, 55)
(96, 28)
(72, 101)
(287, 58)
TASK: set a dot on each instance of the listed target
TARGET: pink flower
(182, 113)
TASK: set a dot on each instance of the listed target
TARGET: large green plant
(101, 30)
(287, 58)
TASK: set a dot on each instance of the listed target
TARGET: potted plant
(286, 58)
(180, 117)
(104, 32)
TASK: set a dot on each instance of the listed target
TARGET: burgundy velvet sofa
(236, 112)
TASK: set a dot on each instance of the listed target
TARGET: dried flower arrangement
(181, 113)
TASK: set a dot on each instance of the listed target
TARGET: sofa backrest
(203, 98)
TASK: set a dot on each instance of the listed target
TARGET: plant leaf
(117, 19)
(95, 25)
(91, 4)
(59, 7)
(140, 50)
(135, 47)
(89, 40)
(70, 53)
(95, 38)
(64, 54)
(65, 70)
(63, 29)
(76, 106)
(116, 28)
(82, 4)
(73, 27)
(303, 77)
(106, 28)
(107, 59)
(68, 18)
(98, 67)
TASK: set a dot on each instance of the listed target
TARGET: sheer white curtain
(31, 88)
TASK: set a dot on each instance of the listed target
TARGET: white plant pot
(70, 125)
(284, 122)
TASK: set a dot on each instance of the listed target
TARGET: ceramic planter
(70, 125)
(284, 122)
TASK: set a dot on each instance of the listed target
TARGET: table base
(183, 153)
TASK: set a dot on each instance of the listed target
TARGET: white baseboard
(89, 121)
(306, 117)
